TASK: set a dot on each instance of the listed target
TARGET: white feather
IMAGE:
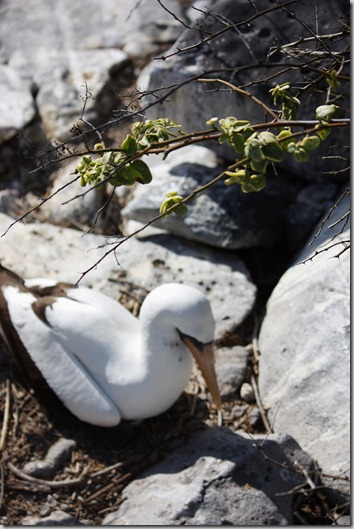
(101, 361)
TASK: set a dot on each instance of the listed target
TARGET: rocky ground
(279, 453)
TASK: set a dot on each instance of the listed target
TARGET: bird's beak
(204, 357)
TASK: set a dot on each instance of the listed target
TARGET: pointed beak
(204, 357)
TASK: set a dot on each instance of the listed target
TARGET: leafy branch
(255, 146)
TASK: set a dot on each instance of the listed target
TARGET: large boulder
(240, 55)
(16, 103)
(305, 348)
(62, 48)
(218, 478)
(42, 250)
(224, 216)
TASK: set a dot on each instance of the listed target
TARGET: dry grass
(106, 460)
(30, 433)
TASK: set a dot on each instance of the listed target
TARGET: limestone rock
(237, 55)
(41, 250)
(58, 454)
(222, 216)
(58, 517)
(231, 366)
(305, 350)
(16, 103)
(218, 478)
(65, 85)
(61, 48)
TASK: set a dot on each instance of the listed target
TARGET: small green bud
(235, 177)
(170, 200)
(301, 155)
(99, 146)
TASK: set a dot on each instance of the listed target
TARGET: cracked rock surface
(218, 478)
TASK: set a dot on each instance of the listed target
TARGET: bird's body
(102, 363)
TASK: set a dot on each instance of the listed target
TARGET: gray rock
(105, 26)
(55, 518)
(61, 47)
(41, 250)
(247, 392)
(236, 56)
(305, 351)
(222, 216)
(16, 103)
(58, 454)
(9, 202)
(302, 215)
(218, 478)
(231, 365)
(62, 87)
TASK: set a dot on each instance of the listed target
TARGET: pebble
(58, 454)
(247, 393)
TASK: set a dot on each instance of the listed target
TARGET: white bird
(102, 363)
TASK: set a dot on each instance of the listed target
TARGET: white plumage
(103, 363)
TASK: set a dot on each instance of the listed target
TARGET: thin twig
(205, 40)
(6, 417)
(245, 93)
(38, 481)
(335, 205)
(106, 488)
(2, 484)
(175, 16)
(43, 201)
(260, 405)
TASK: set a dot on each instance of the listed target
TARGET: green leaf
(273, 151)
(123, 176)
(180, 210)
(238, 142)
(289, 103)
(129, 145)
(309, 143)
(99, 146)
(86, 159)
(211, 121)
(263, 146)
(285, 137)
(327, 112)
(291, 147)
(323, 132)
(141, 171)
(172, 198)
(301, 155)
(227, 123)
(254, 183)
(253, 148)
(259, 166)
(333, 81)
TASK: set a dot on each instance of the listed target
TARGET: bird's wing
(63, 337)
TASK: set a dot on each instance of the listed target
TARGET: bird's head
(187, 311)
